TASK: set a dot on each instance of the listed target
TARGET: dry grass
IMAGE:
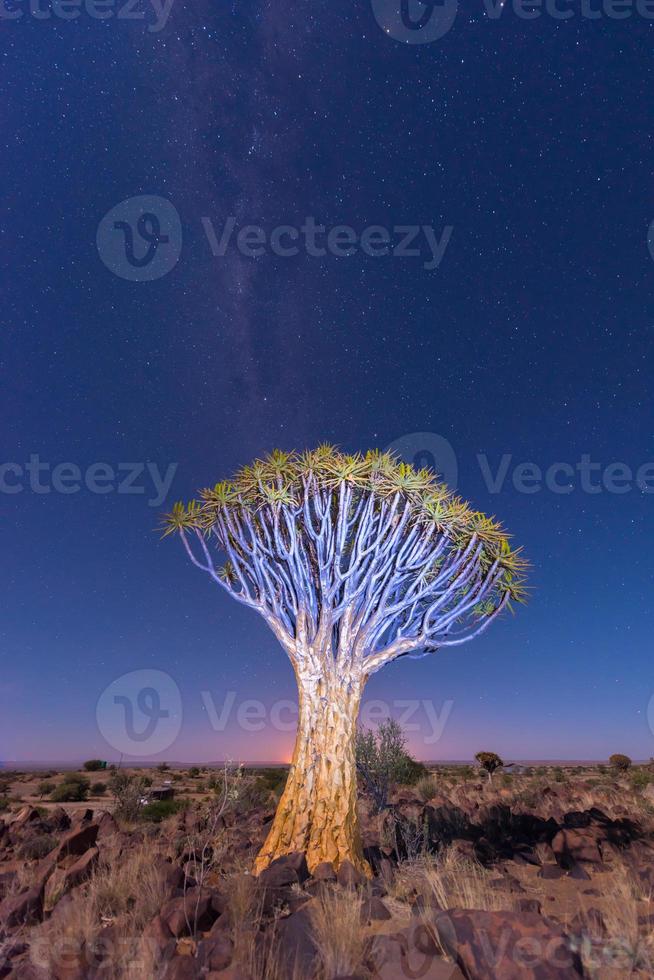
(624, 947)
(337, 933)
(450, 880)
(127, 891)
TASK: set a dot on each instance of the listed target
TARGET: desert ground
(546, 873)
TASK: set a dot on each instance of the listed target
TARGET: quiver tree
(620, 762)
(353, 562)
(490, 762)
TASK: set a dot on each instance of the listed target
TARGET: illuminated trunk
(317, 813)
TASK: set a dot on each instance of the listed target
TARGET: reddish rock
(324, 872)
(278, 876)
(572, 845)
(188, 910)
(510, 945)
(181, 968)
(107, 826)
(216, 952)
(349, 877)
(63, 879)
(296, 861)
(26, 908)
(373, 909)
(78, 840)
(410, 953)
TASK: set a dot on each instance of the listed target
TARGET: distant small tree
(163, 767)
(194, 772)
(45, 788)
(73, 789)
(127, 792)
(620, 762)
(94, 765)
(490, 762)
(381, 760)
(98, 789)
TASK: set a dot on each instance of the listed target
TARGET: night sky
(532, 141)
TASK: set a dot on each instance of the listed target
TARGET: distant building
(160, 793)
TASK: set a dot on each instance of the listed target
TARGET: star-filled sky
(519, 330)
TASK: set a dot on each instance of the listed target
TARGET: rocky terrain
(540, 875)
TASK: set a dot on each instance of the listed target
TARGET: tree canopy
(322, 543)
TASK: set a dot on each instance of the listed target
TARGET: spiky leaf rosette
(359, 554)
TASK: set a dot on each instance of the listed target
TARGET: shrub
(381, 760)
(73, 789)
(4, 803)
(194, 772)
(559, 775)
(620, 762)
(98, 789)
(160, 809)
(163, 767)
(427, 787)
(127, 792)
(640, 778)
(490, 762)
(94, 765)
(45, 788)
(414, 771)
(37, 847)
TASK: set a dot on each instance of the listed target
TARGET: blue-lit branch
(343, 571)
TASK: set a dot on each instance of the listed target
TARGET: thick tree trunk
(317, 813)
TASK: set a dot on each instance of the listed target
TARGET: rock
(58, 819)
(578, 873)
(26, 908)
(157, 941)
(189, 910)
(28, 814)
(296, 943)
(570, 846)
(296, 861)
(181, 968)
(107, 826)
(63, 879)
(278, 875)
(78, 840)
(551, 872)
(410, 953)
(82, 816)
(324, 872)
(215, 953)
(510, 945)
(528, 905)
(373, 909)
(348, 876)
